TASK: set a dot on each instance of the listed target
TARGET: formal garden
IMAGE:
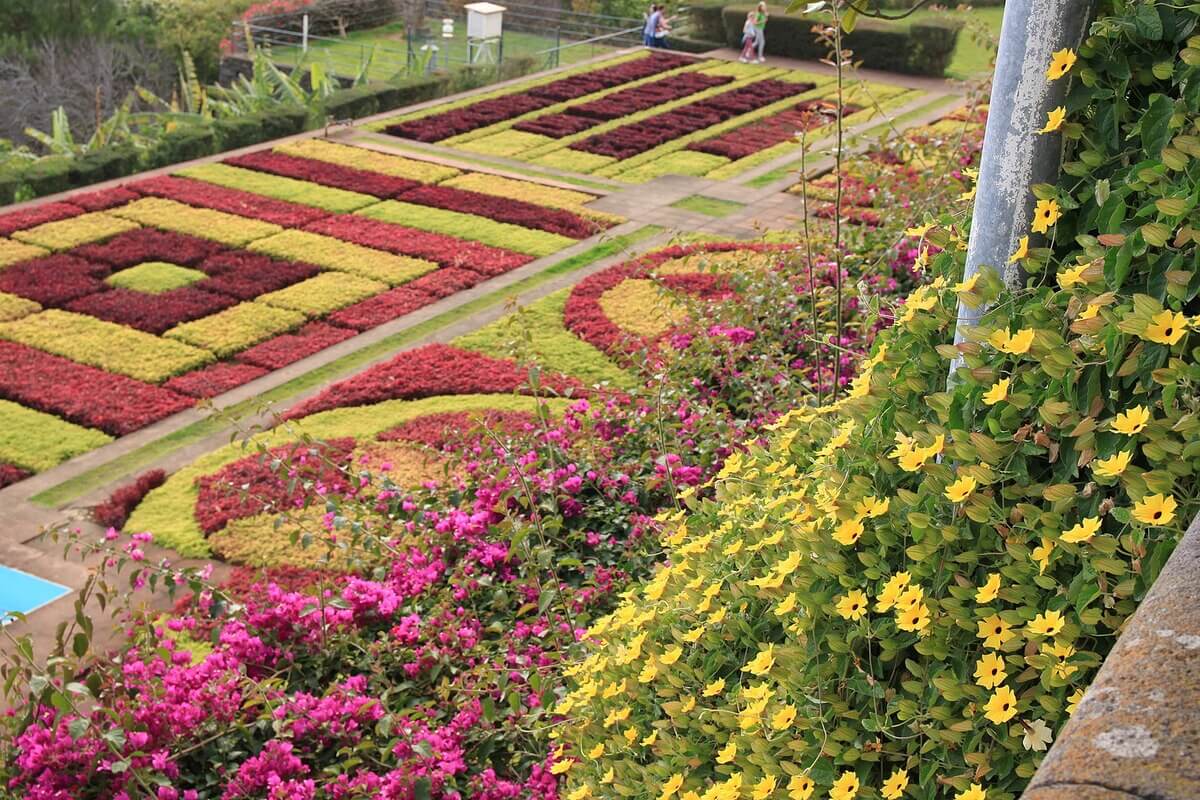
(647, 428)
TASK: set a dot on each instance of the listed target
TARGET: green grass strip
(127, 464)
(709, 206)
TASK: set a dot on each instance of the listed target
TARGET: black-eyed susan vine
(905, 594)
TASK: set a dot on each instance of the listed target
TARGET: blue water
(20, 591)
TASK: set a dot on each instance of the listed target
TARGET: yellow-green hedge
(324, 293)
(106, 345)
(468, 226)
(234, 329)
(67, 233)
(371, 160)
(279, 187)
(154, 277)
(14, 307)
(228, 229)
(37, 442)
(11, 252)
(529, 192)
(334, 254)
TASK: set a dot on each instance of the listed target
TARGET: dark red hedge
(451, 427)
(113, 512)
(324, 173)
(32, 217)
(775, 129)
(231, 201)
(288, 348)
(81, 394)
(148, 244)
(445, 282)
(104, 198)
(381, 308)
(10, 475)
(214, 380)
(153, 313)
(445, 250)
(244, 275)
(502, 209)
(54, 280)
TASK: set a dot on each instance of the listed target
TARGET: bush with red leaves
(436, 127)
(153, 313)
(148, 244)
(450, 428)
(638, 137)
(113, 512)
(214, 380)
(104, 198)
(115, 404)
(324, 173)
(231, 201)
(288, 348)
(381, 308)
(775, 129)
(10, 475)
(503, 209)
(244, 275)
(445, 282)
(54, 280)
(32, 217)
(255, 485)
(425, 372)
(444, 250)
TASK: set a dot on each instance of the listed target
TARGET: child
(749, 38)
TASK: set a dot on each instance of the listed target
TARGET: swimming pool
(20, 591)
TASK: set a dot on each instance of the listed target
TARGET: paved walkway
(761, 207)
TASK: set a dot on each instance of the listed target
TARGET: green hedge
(54, 174)
(708, 24)
(686, 45)
(923, 48)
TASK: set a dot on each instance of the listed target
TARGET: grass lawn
(710, 206)
(387, 47)
(976, 42)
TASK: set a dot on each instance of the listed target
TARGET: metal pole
(1015, 155)
(304, 34)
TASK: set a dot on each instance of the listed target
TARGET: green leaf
(849, 19)
(1147, 22)
(1156, 124)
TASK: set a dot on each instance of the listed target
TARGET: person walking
(663, 28)
(749, 38)
(760, 29)
(652, 20)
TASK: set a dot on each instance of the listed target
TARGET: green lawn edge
(73, 488)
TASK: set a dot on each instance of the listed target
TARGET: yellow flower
(648, 672)
(1112, 467)
(1045, 214)
(1073, 700)
(1155, 509)
(1054, 119)
(1016, 343)
(714, 688)
(596, 751)
(967, 285)
(920, 300)
(989, 671)
(1041, 554)
(1072, 277)
(1001, 706)
(1089, 312)
(961, 489)
(848, 531)
(1061, 652)
(976, 792)
(671, 655)
(783, 718)
(762, 663)
(922, 260)
(620, 715)
(631, 734)
(1047, 624)
(1083, 531)
(893, 788)
(853, 605)
(994, 631)
(1131, 421)
(845, 787)
(910, 457)
(872, 506)
(914, 618)
(764, 788)
(800, 787)
(1166, 327)
(560, 767)
(910, 597)
(998, 393)
(1060, 63)
(919, 231)
(673, 785)
(1021, 252)
(786, 606)
(693, 636)
(990, 589)
(609, 776)
(687, 704)
(651, 738)
(582, 793)
(727, 753)
(891, 591)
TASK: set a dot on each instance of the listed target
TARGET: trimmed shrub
(113, 512)
(32, 217)
(185, 143)
(469, 226)
(323, 173)
(13, 252)
(154, 277)
(350, 104)
(289, 348)
(236, 328)
(324, 293)
(230, 200)
(67, 233)
(247, 275)
(14, 307)
(104, 163)
(53, 280)
(279, 188)
(153, 313)
(168, 215)
(147, 244)
(214, 380)
(104, 199)
(381, 308)
(37, 442)
(343, 257)
(370, 160)
(503, 209)
(110, 347)
(48, 175)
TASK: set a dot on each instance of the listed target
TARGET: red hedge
(503, 209)
(153, 313)
(32, 217)
(81, 394)
(10, 475)
(147, 244)
(381, 308)
(54, 280)
(445, 282)
(244, 275)
(450, 427)
(231, 201)
(324, 173)
(445, 250)
(113, 512)
(288, 348)
(104, 198)
(638, 137)
(427, 371)
(773, 130)
(214, 380)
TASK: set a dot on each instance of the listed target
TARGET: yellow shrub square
(234, 329)
(371, 160)
(342, 256)
(168, 215)
(11, 252)
(14, 307)
(67, 233)
(324, 293)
